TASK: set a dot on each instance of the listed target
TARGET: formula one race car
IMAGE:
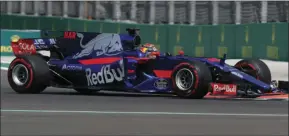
(89, 62)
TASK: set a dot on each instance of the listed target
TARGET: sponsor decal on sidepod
(161, 84)
(71, 67)
(41, 41)
(237, 74)
(106, 75)
(103, 44)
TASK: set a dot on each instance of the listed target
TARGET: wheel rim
(20, 74)
(184, 79)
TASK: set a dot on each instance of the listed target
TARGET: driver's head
(150, 47)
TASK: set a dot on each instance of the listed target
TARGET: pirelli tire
(261, 70)
(198, 80)
(28, 74)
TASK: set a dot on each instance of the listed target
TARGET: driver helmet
(150, 47)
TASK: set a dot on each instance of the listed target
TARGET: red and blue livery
(89, 62)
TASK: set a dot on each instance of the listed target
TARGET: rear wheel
(191, 80)
(28, 74)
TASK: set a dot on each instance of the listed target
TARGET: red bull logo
(103, 44)
(106, 75)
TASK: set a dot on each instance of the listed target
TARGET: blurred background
(241, 29)
(157, 12)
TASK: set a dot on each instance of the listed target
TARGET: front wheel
(191, 80)
(255, 68)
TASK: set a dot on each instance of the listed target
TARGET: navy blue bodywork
(105, 61)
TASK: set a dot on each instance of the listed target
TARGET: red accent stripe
(131, 57)
(130, 71)
(213, 60)
(135, 58)
(250, 65)
(163, 73)
(99, 61)
(140, 60)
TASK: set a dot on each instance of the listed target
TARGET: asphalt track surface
(64, 112)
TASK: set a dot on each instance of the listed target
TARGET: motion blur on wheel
(119, 62)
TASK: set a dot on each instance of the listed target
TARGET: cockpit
(131, 40)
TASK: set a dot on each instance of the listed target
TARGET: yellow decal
(68, 25)
(85, 27)
(177, 49)
(156, 35)
(200, 35)
(6, 48)
(199, 51)
(221, 51)
(247, 51)
(222, 34)
(143, 50)
(178, 35)
(246, 34)
(273, 34)
(14, 38)
(272, 52)
(100, 28)
(53, 27)
(118, 28)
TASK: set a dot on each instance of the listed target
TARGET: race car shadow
(143, 95)
(68, 92)
(109, 94)
(140, 95)
(149, 95)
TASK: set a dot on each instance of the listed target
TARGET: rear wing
(47, 41)
(72, 34)
(60, 34)
(31, 46)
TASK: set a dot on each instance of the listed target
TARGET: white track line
(7, 62)
(3, 61)
(4, 68)
(148, 113)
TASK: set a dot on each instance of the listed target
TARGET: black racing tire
(37, 74)
(86, 91)
(283, 85)
(262, 73)
(46, 58)
(201, 82)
